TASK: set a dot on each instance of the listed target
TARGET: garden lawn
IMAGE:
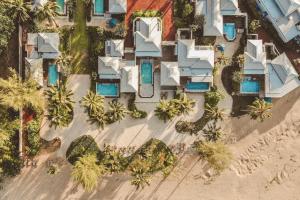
(80, 41)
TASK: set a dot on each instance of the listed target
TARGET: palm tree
(64, 61)
(237, 76)
(48, 11)
(100, 118)
(93, 102)
(212, 133)
(254, 25)
(140, 173)
(165, 110)
(19, 10)
(240, 59)
(213, 112)
(60, 106)
(184, 104)
(260, 109)
(217, 154)
(223, 60)
(117, 111)
(18, 95)
(86, 172)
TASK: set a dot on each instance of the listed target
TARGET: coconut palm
(93, 103)
(48, 11)
(117, 111)
(212, 132)
(86, 172)
(64, 61)
(60, 107)
(99, 117)
(260, 109)
(19, 10)
(217, 154)
(183, 104)
(140, 173)
(254, 25)
(165, 110)
(240, 59)
(215, 113)
(18, 94)
(237, 76)
(223, 60)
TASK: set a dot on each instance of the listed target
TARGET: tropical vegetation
(212, 133)
(47, 11)
(254, 25)
(7, 26)
(117, 111)
(217, 154)
(260, 110)
(134, 112)
(165, 110)
(60, 105)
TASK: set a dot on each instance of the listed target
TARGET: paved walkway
(128, 132)
(230, 48)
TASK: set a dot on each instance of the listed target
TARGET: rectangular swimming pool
(230, 31)
(98, 7)
(146, 73)
(61, 5)
(249, 87)
(52, 74)
(107, 89)
(197, 86)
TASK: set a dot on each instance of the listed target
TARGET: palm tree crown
(93, 102)
(214, 112)
(260, 109)
(47, 11)
(87, 172)
(184, 104)
(19, 10)
(117, 111)
(165, 110)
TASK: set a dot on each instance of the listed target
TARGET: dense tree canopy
(6, 27)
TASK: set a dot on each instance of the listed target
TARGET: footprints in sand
(267, 146)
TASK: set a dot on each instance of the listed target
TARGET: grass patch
(79, 40)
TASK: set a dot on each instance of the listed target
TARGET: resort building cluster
(191, 67)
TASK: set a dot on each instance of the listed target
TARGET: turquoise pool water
(250, 86)
(197, 86)
(107, 89)
(99, 7)
(230, 31)
(146, 73)
(52, 74)
(61, 4)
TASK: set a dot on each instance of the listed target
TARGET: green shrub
(213, 97)
(146, 13)
(80, 147)
(135, 113)
(34, 140)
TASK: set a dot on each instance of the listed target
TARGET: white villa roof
(281, 78)
(255, 58)
(35, 69)
(115, 48)
(288, 6)
(285, 15)
(148, 37)
(110, 67)
(213, 19)
(229, 7)
(46, 43)
(130, 77)
(195, 61)
(117, 6)
(170, 74)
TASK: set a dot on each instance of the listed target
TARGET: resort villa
(42, 50)
(267, 78)
(192, 72)
(284, 15)
(213, 12)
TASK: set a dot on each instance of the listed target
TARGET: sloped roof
(229, 5)
(35, 70)
(255, 58)
(169, 74)
(117, 6)
(288, 6)
(281, 77)
(116, 47)
(189, 56)
(284, 68)
(110, 67)
(130, 77)
(213, 19)
(148, 37)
